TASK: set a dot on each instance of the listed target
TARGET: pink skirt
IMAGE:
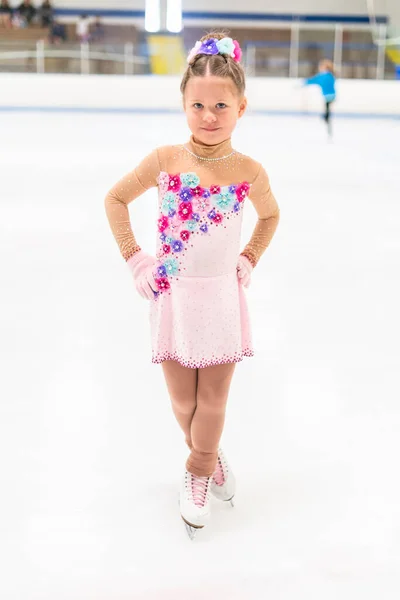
(201, 322)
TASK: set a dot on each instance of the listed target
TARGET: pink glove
(142, 266)
(244, 270)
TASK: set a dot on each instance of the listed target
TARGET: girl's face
(212, 106)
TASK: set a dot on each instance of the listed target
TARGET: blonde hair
(328, 65)
(220, 65)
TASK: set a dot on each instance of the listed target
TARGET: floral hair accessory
(226, 46)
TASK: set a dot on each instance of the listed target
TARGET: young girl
(326, 80)
(199, 320)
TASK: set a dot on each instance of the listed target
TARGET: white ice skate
(195, 502)
(223, 484)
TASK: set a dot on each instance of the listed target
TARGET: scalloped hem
(159, 358)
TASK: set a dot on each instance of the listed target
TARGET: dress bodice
(201, 191)
(198, 227)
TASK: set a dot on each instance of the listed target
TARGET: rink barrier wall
(147, 93)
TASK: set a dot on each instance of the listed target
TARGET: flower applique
(163, 182)
(225, 200)
(186, 209)
(162, 284)
(175, 225)
(186, 194)
(201, 204)
(176, 246)
(185, 235)
(163, 223)
(174, 183)
(242, 191)
(168, 204)
(171, 267)
(192, 225)
(190, 179)
(215, 189)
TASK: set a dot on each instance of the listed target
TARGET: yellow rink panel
(167, 54)
(394, 55)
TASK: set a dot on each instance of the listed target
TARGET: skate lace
(219, 474)
(199, 487)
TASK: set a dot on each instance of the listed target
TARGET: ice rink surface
(91, 457)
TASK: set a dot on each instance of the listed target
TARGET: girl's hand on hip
(244, 269)
(142, 266)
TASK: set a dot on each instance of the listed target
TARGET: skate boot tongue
(199, 489)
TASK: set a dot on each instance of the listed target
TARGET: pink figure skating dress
(199, 316)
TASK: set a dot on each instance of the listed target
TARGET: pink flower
(163, 181)
(242, 191)
(194, 52)
(166, 248)
(185, 235)
(201, 204)
(218, 218)
(174, 183)
(185, 210)
(175, 225)
(162, 224)
(198, 191)
(215, 189)
(162, 284)
(237, 53)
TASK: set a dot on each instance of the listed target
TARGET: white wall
(335, 7)
(390, 8)
(360, 98)
(349, 7)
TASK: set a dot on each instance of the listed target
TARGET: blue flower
(190, 179)
(186, 193)
(177, 246)
(226, 46)
(171, 267)
(171, 213)
(191, 225)
(163, 237)
(224, 201)
(204, 228)
(232, 188)
(206, 194)
(211, 214)
(169, 239)
(236, 206)
(162, 271)
(168, 203)
(196, 217)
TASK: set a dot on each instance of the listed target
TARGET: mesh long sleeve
(268, 217)
(132, 185)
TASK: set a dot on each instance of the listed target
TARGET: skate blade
(230, 501)
(191, 529)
